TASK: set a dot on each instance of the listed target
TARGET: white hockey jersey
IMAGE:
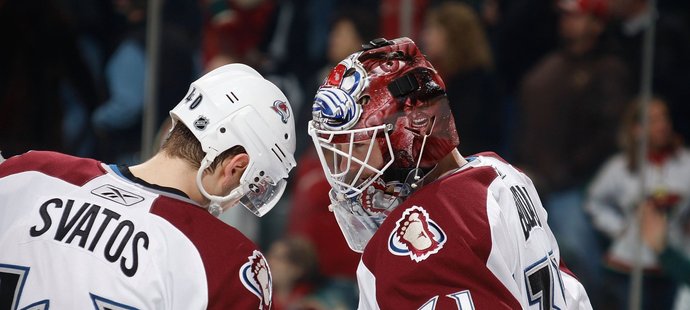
(614, 195)
(476, 239)
(76, 234)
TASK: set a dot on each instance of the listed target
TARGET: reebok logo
(118, 195)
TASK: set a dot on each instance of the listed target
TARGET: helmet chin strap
(214, 206)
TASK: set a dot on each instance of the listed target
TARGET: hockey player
(437, 231)
(76, 233)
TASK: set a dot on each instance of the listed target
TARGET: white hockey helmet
(234, 105)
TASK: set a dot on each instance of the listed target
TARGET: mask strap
(417, 178)
(403, 85)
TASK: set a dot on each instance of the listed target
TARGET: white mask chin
(360, 216)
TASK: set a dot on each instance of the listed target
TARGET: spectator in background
(234, 30)
(521, 32)
(297, 39)
(673, 261)
(294, 268)
(455, 41)
(296, 49)
(117, 121)
(631, 18)
(38, 57)
(311, 219)
(98, 28)
(570, 106)
(402, 18)
(526, 31)
(614, 198)
(309, 216)
(352, 26)
(297, 283)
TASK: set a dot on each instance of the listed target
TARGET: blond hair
(468, 46)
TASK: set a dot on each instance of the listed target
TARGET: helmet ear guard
(234, 105)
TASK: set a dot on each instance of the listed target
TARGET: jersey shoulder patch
(256, 277)
(416, 235)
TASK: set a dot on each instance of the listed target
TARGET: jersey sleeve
(575, 294)
(9, 186)
(237, 275)
(504, 257)
(572, 292)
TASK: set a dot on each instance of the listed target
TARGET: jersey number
(12, 280)
(11, 283)
(540, 283)
(463, 299)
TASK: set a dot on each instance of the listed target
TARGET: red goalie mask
(388, 98)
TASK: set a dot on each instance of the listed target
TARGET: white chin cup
(359, 217)
(357, 229)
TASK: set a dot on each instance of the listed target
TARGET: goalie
(436, 230)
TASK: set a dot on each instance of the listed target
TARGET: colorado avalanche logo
(416, 235)
(256, 277)
(282, 109)
(334, 109)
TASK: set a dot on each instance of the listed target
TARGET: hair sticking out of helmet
(388, 85)
(234, 105)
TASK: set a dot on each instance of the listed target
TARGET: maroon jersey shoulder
(75, 170)
(437, 243)
(223, 250)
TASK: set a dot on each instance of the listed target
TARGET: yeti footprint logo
(416, 235)
(256, 277)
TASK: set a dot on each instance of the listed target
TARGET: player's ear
(234, 167)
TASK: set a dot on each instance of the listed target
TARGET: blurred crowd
(551, 85)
